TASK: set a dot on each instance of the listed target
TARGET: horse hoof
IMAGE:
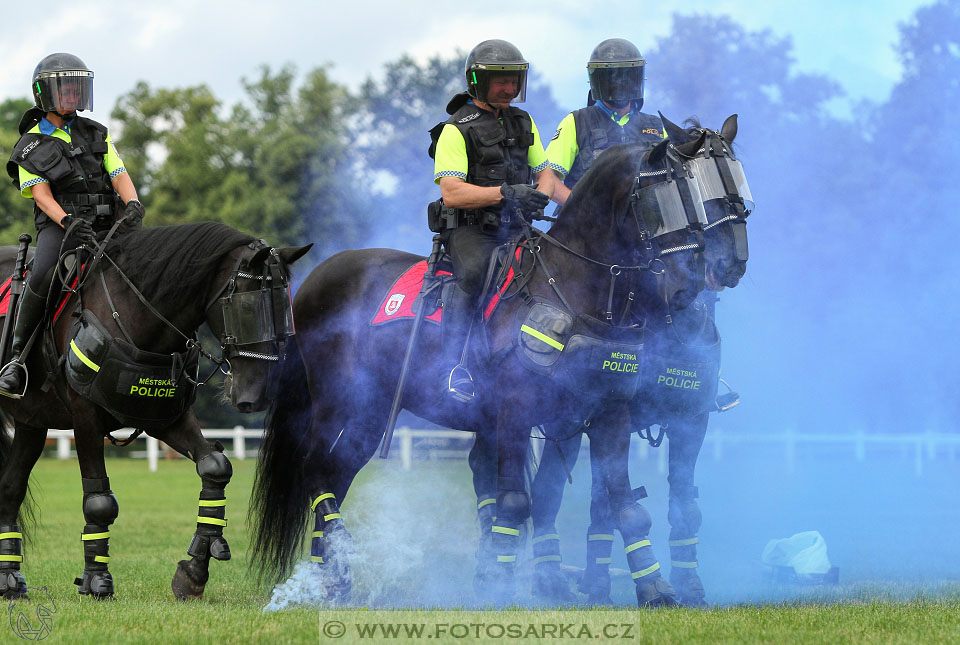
(95, 584)
(553, 587)
(655, 594)
(189, 580)
(13, 585)
(694, 602)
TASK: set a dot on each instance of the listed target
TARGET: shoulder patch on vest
(27, 148)
(469, 117)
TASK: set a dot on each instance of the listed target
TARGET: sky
(180, 43)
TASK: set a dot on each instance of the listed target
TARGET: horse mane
(610, 166)
(172, 264)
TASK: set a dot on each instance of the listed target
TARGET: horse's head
(252, 317)
(726, 197)
(639, 206)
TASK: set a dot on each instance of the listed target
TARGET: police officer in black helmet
(492, 169)
(70, 168)
(612, 116)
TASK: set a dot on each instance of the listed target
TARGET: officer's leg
(685, 440)
(32, 304)
(546, 493)
(469, 248)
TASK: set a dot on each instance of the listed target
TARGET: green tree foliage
(16, 213)
(275, 166)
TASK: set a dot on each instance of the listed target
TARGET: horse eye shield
(670, 206)
(721, 178)
(257, 316)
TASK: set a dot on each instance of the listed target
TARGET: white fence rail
(412, 443)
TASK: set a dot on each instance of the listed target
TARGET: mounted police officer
(612, 116)
(486, 156)
(70, 168)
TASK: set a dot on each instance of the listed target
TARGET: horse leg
(611, 447)
(100, 507)
(331, 544)
(215, 471)
(483, 465)
(546, 493)
(685, 439)
(16, 460)
(596, 576)
(513, 503)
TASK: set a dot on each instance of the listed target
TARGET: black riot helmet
(62, 83)
(495, 58)
(615, 71)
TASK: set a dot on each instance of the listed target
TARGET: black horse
(122, 350)
(630, 236)
(685, 342)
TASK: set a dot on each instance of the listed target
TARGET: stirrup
(459, 384)
(26, 380)
(728, 400)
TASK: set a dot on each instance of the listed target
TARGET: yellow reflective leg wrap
(546, 550)
(326, 517)
(11, 545)
(96, 547)
(213, 511)
(642, 561)
(683, 552)
(504, 543)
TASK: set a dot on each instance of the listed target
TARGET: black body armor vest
(596, 132)
(78, 179)
(496, 149)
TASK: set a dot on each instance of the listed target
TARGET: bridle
(678, 190)
(259, 316)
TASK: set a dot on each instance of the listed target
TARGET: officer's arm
(560, 191)
(457, 193)
(124, 187)
(43, 196)
(548, 184)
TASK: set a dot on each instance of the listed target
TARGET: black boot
(13, 378)
(455, 380)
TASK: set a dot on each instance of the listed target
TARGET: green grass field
(154, 529)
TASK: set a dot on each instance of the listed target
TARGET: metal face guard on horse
(122, 350)
(630, 236)
(684, 343)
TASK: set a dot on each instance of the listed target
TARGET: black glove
(527, 198)
(78, 231)
(132, 216)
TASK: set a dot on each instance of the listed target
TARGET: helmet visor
(710, 173)
(662, 206)
(623, 82)
(500, 83)
(68, 91)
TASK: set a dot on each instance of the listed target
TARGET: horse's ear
(690, 148)
(658, 151)
(678, 136)
(729, 129)
(291, 254)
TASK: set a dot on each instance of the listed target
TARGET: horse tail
(278, 510)
(27, 515)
